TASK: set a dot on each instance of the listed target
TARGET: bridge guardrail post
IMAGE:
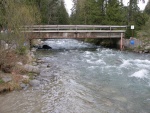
(76, 28)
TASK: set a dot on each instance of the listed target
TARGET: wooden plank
(77, 31)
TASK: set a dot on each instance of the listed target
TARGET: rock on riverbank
(22, 75)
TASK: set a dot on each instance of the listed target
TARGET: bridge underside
(75, 35)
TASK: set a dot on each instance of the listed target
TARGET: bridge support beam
(121, 42)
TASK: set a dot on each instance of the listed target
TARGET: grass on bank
(8, 68)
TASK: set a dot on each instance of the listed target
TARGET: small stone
(32, 55)
(34, 83)
(34, 64)
(146, 51)
(25, 77)
(36, 70)
(19, 63)
(43, 66)
(40, 61)
(48, 65)
(7, 79)
(147, 47)
(22, 85)
(33, 50)
(140, 52)
(31, 68)
(35, 74)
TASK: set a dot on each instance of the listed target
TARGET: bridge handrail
(74, 31)
(72, 27)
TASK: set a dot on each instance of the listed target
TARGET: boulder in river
(45, 47)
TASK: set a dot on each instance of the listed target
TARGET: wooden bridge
(74, 31)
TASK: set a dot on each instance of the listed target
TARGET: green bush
(21, 50)
(1, 81)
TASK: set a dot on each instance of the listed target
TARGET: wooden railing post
(76, 28)
(57, 28)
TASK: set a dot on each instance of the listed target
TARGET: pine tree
(88, 12)
(147, 8)
(63, 15)
(114, 13)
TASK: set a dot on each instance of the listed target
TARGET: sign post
(132, 27)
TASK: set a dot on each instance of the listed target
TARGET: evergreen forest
(16, 13)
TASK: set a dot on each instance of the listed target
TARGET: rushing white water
(141, 74)
(85, 79)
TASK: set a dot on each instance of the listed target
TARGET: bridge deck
(74, 31)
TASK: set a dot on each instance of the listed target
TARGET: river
(83, 78)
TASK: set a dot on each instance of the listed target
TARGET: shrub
(1, 81)
(21, 50)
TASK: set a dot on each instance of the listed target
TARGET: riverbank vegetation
(14, 44)
(145, 31)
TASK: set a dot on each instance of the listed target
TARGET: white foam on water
(88, 52)
(136, 62)
(143, 66)
(100, 62)
(109, 66)
(97, 62)
(126, 63)
(92, 67)
(89, 61)
(99, 54)
(66, 44)
(142, 61)
(107, 51)
(140, 74)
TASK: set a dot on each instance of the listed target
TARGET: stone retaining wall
(132, 43)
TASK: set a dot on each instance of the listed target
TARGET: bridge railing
(71, 27)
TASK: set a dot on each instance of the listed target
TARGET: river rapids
(83, 78)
